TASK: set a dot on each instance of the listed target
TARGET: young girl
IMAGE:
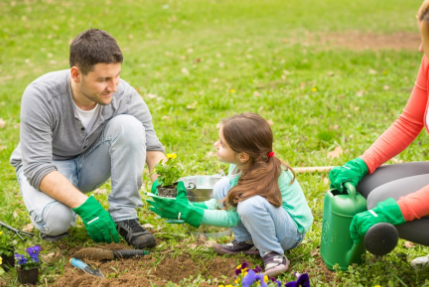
(261, 199)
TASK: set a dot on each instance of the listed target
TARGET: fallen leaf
(2, 123)
(192, 106)
(395, 160)
(148, 226)
(270, 122)
(409, 244)
(210, 153)
(256, 94)
(152, 96)
(202, 239)
(360, 93)
(191, 246)
(336, 152)
(2, 147)
(372, 72)
(28, 228)
(48, 257)
(185, 71)
(386, 87)
(326, 180)
(314, 253)
(210, 243)
(15, 214)
(100, 191)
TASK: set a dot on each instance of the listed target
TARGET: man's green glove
(386, 211)
(154, 189)
(177, 208)
(352, 171)
(98, 222)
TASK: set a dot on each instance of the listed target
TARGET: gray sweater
(51, 131)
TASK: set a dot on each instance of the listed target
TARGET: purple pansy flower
(257, 269)
(239, 269)
(251, 277)
(34, 253)
(302, 281)
(20, 258)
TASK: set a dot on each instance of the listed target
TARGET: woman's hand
(352, 171)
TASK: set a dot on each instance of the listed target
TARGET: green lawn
(197, 62)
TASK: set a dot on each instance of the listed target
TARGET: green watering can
(338, 212)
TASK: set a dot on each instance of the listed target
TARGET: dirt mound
(148, 270)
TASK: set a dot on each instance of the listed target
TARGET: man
(78, 128)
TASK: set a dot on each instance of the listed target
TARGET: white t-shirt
(87, 117)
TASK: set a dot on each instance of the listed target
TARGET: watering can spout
(354, 254)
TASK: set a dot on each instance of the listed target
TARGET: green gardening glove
(386, 211)
(154, 189)
(352, 171)
(98, 222)
(177, 208)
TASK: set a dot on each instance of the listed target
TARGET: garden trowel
(85, 267)
(93, 253)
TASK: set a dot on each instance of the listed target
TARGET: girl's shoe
(420, 262)
(236, 247)
(275, 264)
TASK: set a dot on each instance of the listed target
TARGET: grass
(197, 62)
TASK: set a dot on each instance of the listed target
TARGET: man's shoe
(420, 262)
(275, 264)
(134, 234)
(236, 247)
(53, 238)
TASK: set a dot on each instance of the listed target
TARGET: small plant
(1, 268)
(168, 174)
(245, 277)
(169, 171)
(7, 245)
(29, 261)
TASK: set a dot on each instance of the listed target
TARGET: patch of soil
(356, 40)
(148, 270)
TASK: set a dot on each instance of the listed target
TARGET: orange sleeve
(415, 205)
(405, 129)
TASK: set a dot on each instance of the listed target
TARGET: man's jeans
(270, 228)
(119, 153)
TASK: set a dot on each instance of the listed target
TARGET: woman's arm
(405, 129)
(415, 205)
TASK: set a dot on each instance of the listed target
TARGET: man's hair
(92, 47)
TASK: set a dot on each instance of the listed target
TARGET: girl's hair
(250, 133)
(423, 13)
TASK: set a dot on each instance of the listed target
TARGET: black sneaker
(53, 238)
(236, 247)
(134, 234)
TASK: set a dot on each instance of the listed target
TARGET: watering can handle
(351, 190)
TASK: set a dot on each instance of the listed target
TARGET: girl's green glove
(177, 208)
(386, 211)
(154, 189)
(352, 171)
(98, 222)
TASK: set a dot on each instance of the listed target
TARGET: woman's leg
(395, 181)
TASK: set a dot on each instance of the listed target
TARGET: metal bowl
(200, 187)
